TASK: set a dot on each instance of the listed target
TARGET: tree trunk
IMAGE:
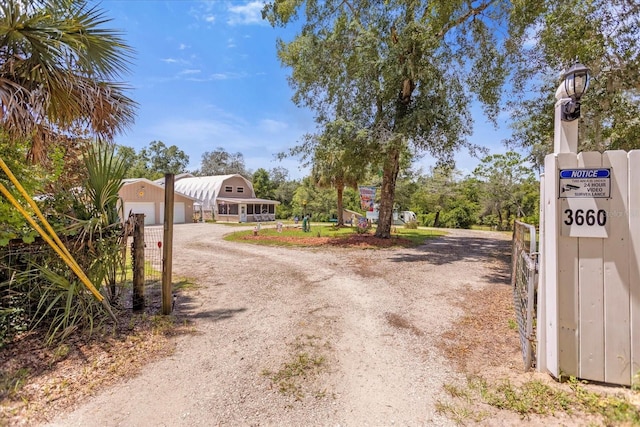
(388, 191)
(340, 188)
(436, 221)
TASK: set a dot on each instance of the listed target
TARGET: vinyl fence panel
(590, 252)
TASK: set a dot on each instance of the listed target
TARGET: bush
(459, 217)
(411, 225)
(427, 219)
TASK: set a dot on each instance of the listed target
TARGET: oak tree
(404, 70)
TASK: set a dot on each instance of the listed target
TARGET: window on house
(233, 209)
(272, 209)
(250, 209)
(228, 189)
(240, 189)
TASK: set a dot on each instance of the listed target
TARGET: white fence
(589, 321)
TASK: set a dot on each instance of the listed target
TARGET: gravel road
(360, 327)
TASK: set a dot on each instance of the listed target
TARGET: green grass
(186, 284)
(536, 397)
(126, 274)
(294, 236)
(417, 236)
(307, 362)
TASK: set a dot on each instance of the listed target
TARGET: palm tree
(57, 72)
(340, 159)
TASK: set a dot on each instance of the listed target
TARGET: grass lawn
(329, 235)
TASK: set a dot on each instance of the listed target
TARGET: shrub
(412, 225)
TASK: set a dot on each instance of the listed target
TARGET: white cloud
(183, 72)
(221, 128)
(246, 14)
(175, 61)
(272, 126)
(212, 77)
(219, 76)
(204, 12)
(182, 46)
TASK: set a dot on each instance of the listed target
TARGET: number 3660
(582, 217)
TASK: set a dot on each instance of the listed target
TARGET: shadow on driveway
(449, 249)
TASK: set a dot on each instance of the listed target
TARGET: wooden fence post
(137, 257)
(167, 247)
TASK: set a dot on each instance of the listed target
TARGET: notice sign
(585, 183)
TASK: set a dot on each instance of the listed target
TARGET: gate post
(167, 249)
(590, 235)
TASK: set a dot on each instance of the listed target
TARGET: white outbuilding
(225, 197)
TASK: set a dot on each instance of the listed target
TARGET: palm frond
(57, 68)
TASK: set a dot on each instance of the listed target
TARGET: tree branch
(473, 11)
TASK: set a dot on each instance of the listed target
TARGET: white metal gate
(524, 279)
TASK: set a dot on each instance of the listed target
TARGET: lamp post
(575, 82)
(555, 295)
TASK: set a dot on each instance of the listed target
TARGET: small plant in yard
(186, 285)
(163, 325)
(460, 414)
(60, 353)
(411, 225)
(363, 228)
(306, 363)
(12, 382)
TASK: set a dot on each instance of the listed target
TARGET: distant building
(140, 195)
(225, 198)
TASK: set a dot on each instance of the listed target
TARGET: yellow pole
(36, 209)
(57, 245)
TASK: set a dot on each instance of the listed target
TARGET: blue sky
(206, 75)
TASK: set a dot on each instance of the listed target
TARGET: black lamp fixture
(576, 82)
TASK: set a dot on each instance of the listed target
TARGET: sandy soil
(318, 336)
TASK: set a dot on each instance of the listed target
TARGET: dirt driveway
(307, 336)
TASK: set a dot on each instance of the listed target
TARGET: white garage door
(147, 208)
(178, 213)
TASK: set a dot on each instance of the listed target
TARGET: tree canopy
(154, 161)
(221, 162)
(603, 35)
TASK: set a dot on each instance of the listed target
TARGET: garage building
(140, 195)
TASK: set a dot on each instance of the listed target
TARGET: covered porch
(232, 209)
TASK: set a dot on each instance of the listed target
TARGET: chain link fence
(153, 241)
(524, 280)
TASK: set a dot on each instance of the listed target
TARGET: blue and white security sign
(592, 183)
